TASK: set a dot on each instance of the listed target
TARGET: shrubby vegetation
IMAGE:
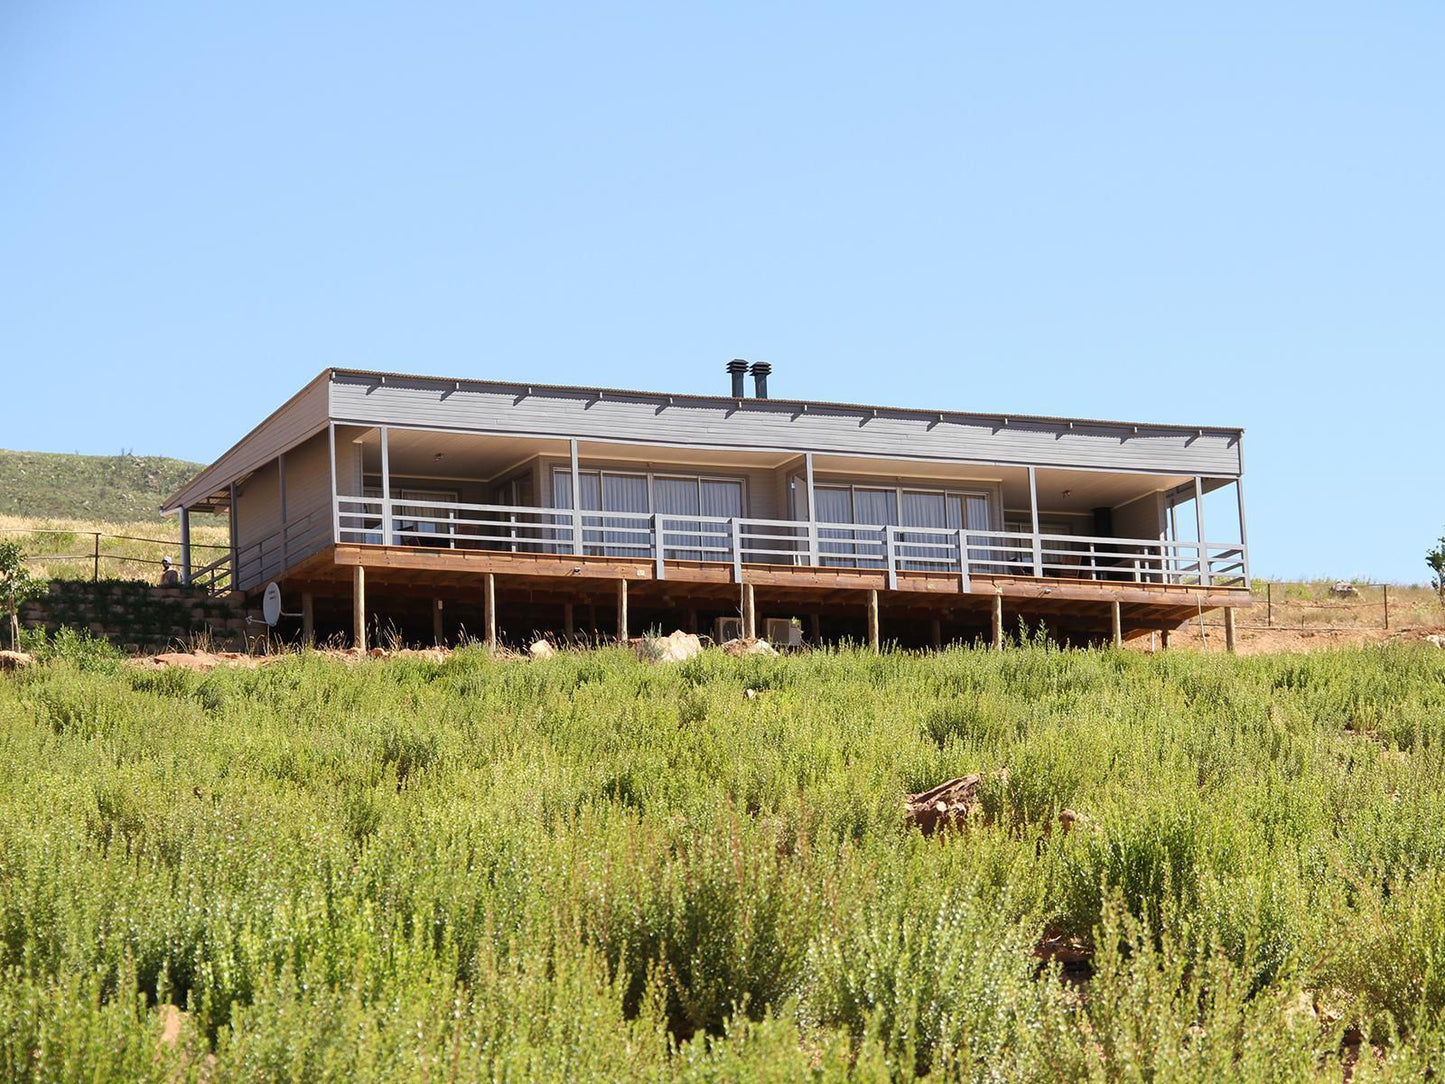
(591, 868)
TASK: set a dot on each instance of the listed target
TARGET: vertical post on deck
(1117, 616)
(997, 620)
(386, 524)
(489, 610)
(281, 490)
(965, 584)
(890, 545)
(568, 624)
(437, 635)
(737, 533)
(335, 493)
(873, 631)
(935, 633)
(622, 611)
(1199, 529)
(1243, 536)
(185, 545)
(1229, 629)
(657, 567)
(576, 499)
(812, 510)
(1034, 520)
(358, 608)
(235, 523)
(308, 618)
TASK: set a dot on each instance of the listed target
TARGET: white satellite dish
(271, 605)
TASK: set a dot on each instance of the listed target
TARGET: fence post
(1268, 604)
(95, 573)
(1385, 587)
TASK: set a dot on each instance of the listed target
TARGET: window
(677, 497)
(876, 506)
(408, 507)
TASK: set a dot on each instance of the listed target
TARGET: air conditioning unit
(781, 632)
(727, 628)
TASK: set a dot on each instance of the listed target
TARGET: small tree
(1436, 560)
(17, 586)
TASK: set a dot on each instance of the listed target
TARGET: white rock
(541, 649)
(677, 647)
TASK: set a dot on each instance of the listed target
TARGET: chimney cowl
(736, 368)
(761, 369)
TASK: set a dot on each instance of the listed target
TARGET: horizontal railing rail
(663, 538)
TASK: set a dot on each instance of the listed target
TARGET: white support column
(281, 488)
(386, 523)
(235, 548)
(812, 510)
(1034, 513)
(185, 545)
(1243, 537)
(890, 546)
(1199, 529)
(335, 504)
(576, 500)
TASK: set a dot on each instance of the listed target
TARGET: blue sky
(1222, 214)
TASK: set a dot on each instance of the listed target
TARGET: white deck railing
(661, 538)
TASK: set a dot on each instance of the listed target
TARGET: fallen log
(943, 806)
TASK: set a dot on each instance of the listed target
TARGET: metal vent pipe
(761, 369)
(736, 368)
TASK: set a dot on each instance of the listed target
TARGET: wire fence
(1339, 607)
(97, 555)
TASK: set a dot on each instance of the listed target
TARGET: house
(432, 506)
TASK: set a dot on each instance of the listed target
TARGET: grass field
(590, 868)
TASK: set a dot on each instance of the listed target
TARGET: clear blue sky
(1223, 214)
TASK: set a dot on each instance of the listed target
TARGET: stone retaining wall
(140, 617)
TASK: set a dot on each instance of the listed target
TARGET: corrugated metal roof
(865, 408)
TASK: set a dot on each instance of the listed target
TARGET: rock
(15, 660)
(541, 649)
(1344, 590)
(1437, 641)
(943, 806)
(677, 647)
(1067, 819)
(750, 694)
(377, 653)
(740, 648)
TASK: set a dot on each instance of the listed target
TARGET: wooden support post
(815, 628)
(1116, 613)
(568, 625)
(308, 618)
(622, 611)
(437, 633)
(489, 610)
(692, 620)
(749, 613)
(358, 607)
(873, 632)
(1163, 639)
(935, 633)
(1229, 629)
(998, 621)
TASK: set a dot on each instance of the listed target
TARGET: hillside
(112, 488)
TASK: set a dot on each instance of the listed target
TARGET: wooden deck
(405, 575)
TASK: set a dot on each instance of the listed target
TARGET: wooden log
(943, 806)
(358, 607)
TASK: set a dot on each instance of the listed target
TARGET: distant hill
(111, 488)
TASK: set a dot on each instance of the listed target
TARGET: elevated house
(434, 505)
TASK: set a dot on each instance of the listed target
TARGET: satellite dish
(271, 605)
